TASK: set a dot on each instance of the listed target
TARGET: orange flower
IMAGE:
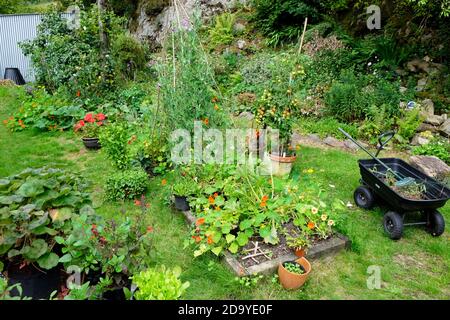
(217, 208)
(206, 121)
(211, 200)
(200, 221)
(215, 99)
(263, 204)
(137, 203)
(311, 225)
(197, 238)
(210, 240)
(78, 93)
(5, 121)
(216, 107)
(163, 182)
(149, 229)
(216, 195)
(265, 198)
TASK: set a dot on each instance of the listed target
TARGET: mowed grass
(415, 267)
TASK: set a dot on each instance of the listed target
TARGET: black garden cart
(374, 188)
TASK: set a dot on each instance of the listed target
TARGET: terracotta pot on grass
(281, 165)
(291, 280)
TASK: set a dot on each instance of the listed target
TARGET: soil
(273, 251)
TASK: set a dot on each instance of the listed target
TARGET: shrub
(8, 6)
(128, 184)
(63, 57)
(408, 125)
(325, 126)
(129, 56)
(159, 284)
(281, 20)
(354, 96)
(114, 139)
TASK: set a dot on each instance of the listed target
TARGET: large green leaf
(48, 261)
(242, 239)
(31, 188)
(36, 223)
(61, 214)
(233, 248)
(37, 249)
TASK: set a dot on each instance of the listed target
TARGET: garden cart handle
(388, 135)
(371, 155)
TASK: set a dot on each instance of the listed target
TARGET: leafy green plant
(222, 31)
(408, 125)
(5, 291)
(294, 267)
(183, 187)
(159, 284)
(114, 139)
(249, 281)
(129, 55)
(36, 206)
(129, 184)
(297, 242)
(437, 147)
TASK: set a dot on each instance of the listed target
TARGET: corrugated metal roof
(16, 28)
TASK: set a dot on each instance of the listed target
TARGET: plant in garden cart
(159, 284)
(36, 206)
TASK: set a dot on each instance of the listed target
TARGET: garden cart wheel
(364, 197)
(435, 223)
(393, 225)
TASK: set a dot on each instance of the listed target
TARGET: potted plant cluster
(181, 190)
(89, 129)
(293, 274)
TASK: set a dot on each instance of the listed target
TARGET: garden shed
(15, 28)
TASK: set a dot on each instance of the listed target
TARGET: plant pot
(91, 143)
(181, 203)
(35, 284)
(291, 280)
(300, 252)
(14, 75)
(281, 166)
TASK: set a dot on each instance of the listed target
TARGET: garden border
(327, 247)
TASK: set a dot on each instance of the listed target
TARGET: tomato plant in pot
(293, 274)
(274, 111)
(89, 129)
(36, 206)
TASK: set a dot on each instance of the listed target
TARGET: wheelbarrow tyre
(435, 223)
(393, 225)
(364, 197)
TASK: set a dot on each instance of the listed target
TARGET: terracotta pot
(300, 252)
(291, 280)
(281, 166)
(91, 143)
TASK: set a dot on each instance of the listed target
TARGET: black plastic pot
(181, 203)
(14, 74)
(35, 284)
(91, 143)
(116, 294)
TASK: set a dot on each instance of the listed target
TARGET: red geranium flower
(89, 118)
(100, 117)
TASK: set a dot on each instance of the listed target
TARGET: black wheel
(435, 223)
(393, 225)
(364, 197)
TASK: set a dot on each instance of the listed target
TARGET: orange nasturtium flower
(264, 199)
(311, 225)
(211, 200)
(206, 121)
(216, 195)
(163, 182)
(200, 221)
(216, 107)
(197, 238)
(210, 240)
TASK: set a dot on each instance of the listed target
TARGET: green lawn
(413, 268)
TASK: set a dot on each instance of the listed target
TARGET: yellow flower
(324, 217)
(330, 223)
